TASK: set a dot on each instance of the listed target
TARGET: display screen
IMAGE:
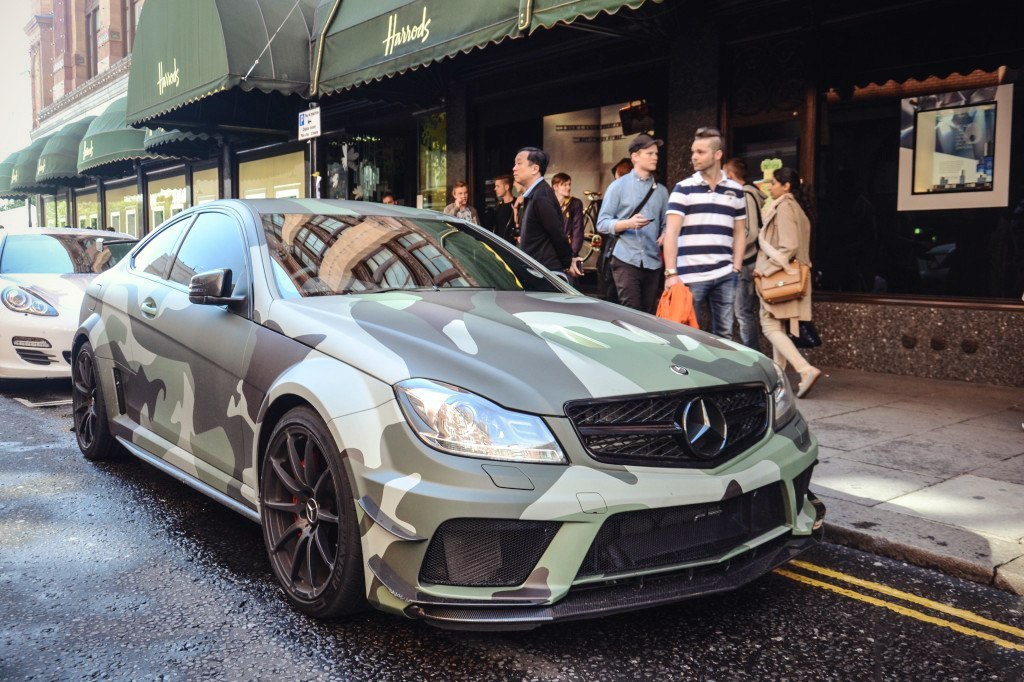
(954, 149)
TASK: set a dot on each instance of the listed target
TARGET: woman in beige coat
(786, 236)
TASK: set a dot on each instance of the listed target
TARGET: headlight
(785, 399)
(462, 423)
(21, 301)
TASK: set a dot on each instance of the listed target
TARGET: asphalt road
(116, 571)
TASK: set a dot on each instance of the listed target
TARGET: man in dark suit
(540, 222)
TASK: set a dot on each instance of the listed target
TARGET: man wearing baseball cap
(632, 217)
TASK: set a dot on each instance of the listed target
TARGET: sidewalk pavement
(926, 471)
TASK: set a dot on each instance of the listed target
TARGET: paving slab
(852, 436)
(1010, 470)
(867, 484)
(980, 439)
(979, 504)
(1008, 419)
(953, 550)
(954, 409)
(1010, 576)
(921, 455)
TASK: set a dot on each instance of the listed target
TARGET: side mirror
(212, 288)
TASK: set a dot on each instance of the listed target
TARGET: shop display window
(123, 207)
(277, 177)
(87, 206)
(168, 197)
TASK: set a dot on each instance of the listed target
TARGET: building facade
(905, 129)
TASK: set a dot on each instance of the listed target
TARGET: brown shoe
(807, 379)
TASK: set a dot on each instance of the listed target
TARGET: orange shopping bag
(677, 305)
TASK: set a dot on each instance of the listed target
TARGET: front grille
(655, 538)
(35, 357)
(486, 552)
(647, 430)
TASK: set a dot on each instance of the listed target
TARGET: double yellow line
(904, 610)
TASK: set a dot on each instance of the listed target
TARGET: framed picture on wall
(955, 149)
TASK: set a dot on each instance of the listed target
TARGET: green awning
(179, 143)
(358, 42)
(58, 162)
(190, 51)
(23, 176)
(6, 167)
(110, 147)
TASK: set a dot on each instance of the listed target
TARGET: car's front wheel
(309, 521)
(92, 431)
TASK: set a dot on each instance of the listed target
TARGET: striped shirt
(705, 241)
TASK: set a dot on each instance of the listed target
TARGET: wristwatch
(671, 272)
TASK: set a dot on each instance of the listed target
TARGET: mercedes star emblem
(704, 427)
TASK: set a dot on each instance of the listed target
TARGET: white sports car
(43, 276)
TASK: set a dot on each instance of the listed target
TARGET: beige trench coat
(787, 228)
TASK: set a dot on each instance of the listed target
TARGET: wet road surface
(115, 570)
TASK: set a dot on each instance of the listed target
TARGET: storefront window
(87, 206)
(433, 135)
(204, 186)
(863, 243)
(167, 197)
(279, 177)
(365, 167)
(124, 206)
(55, 211)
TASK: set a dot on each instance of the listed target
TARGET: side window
(155, 257)
(214, 242)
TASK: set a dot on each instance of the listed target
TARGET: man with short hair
(460, 207)
(748, 305)
(706, 234)
(388, 199)
(540, 220)
(633, 208)
(503, 221)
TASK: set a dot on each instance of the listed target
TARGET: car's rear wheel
(309, 520)
(92, 431)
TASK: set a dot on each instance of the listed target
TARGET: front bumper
(35, 363)
(593, 601)
(403, 514)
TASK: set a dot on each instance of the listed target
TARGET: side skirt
(205, 489)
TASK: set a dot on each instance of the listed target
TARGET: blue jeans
(748, 309)
(721, 296)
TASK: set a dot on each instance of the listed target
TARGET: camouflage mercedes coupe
(424, 419)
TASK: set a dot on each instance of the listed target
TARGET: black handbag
(808, 336)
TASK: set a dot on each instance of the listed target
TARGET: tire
(89, 409)
(309, 519)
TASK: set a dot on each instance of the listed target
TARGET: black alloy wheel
(308, 515)
(92, 431)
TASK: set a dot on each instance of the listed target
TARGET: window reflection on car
(45, 254)
(327, 255)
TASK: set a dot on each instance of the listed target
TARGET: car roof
(327, 207)
(74, 231)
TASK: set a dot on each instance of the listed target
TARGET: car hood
(63, 292)
(530, 352)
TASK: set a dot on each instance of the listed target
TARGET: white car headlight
(784, 398)
(458, 422)
(21, 301)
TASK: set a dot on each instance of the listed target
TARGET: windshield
(48, 254)
(325, 255)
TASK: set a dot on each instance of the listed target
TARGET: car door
(190, 356)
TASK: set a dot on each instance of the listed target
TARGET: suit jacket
(572, 224)
(541, 231)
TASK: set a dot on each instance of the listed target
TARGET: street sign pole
(309, 129)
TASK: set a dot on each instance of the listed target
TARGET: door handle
(148, 308)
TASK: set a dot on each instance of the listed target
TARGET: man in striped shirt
(706, 234)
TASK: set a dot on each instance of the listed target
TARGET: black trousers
(638, 288)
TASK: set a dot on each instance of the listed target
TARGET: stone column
(693, 99)
(457, 124)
